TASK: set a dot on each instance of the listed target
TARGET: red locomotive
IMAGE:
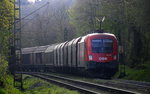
(96, 52)
(101, 53)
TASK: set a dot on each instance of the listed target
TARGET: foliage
(2, 91)
(138, 74)
(47, 25)
(9, 89)
(33, 85)
(6, 12)
(3, 70)
(128, 19)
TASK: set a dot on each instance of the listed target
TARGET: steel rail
(88, 85)
(136, 83)
(67, 85)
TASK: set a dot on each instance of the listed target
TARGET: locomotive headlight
(90, 57)
(115, 57)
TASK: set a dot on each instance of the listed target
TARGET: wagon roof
(76, 40)
(41, 49)
(82, 39)
(64, 44)
(28, 50)
(50, 48)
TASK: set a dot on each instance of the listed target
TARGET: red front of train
(101, 52)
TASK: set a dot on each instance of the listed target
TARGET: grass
(34, 85)
(136, 74)
(9, 89)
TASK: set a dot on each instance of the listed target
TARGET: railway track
(143, 87)
(131, 85)
(81, 86)
(136, 83)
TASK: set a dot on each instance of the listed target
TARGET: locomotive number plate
(102, 58)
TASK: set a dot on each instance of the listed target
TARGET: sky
(33, 1)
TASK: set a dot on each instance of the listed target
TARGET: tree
(128, 20)
(6, 19)
(47, 25)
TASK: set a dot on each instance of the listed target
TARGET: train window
(102, 45)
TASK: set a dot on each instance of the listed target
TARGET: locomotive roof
(41, 49)
(110, 34)
(92, 34)
(28, 50)
(50, 48)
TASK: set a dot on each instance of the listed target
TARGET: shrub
(3, 71)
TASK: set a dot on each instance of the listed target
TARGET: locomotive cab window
(102, 45)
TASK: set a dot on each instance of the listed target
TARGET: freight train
(94, 53)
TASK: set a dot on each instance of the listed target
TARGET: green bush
(9, 88)
(2, 91)
(139, 74)
(3, 71)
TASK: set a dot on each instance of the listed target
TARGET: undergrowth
(9, 89)
(34, 85)
(138, 74)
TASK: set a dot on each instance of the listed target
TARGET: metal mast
(17, 44)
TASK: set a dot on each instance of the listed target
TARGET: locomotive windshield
(102, 45)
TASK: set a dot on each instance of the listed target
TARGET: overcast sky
(33, 1)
